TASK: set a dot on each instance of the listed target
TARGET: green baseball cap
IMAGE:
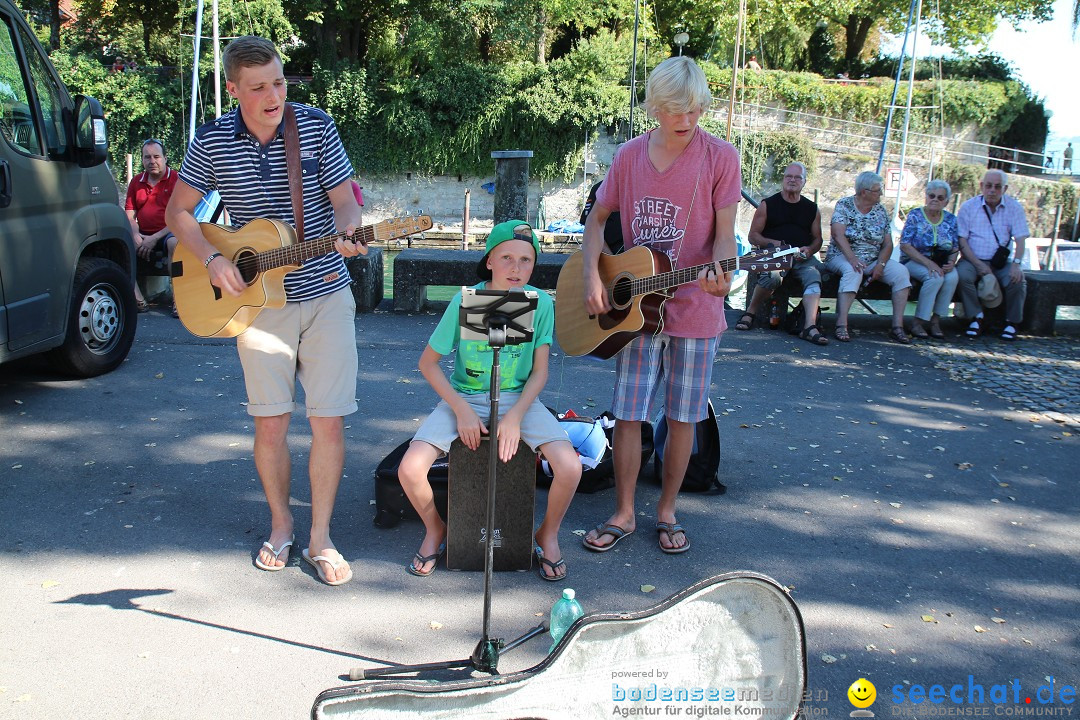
(509, 230)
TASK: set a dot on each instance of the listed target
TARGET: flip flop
(553, 566)
(606, 529)
(671, 529)
(277, 555)
(419, 560)
(335, 563)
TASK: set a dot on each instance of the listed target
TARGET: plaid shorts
(682, 365)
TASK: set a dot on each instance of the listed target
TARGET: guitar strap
(292, 164)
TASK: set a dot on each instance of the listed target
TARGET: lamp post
(681, 38)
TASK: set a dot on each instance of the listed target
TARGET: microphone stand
(503, 313)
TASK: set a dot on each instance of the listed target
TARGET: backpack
(702, 472)
(592, 438)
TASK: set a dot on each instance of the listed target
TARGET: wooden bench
(417, 268)
(1046, 290)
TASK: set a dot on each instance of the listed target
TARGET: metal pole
(633, 74)
(907, 114)
(465, 223)
(217, 64)
(1076, 221)
(1051, 253)
(896, 88)
(735, 68)
(195, 71)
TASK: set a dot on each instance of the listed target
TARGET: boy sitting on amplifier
(511, 255)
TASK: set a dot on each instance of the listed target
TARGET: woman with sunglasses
(930, 250)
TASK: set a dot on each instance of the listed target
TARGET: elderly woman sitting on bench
(860, 252)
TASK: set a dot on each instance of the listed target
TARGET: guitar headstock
(768, 259)
(403, 226)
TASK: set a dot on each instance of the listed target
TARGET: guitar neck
(297, 254)
(674, 278)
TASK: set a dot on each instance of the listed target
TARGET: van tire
(101, 320)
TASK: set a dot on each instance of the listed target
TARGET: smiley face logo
(862, 693)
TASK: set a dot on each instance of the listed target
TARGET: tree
(958, 23)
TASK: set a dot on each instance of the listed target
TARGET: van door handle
(5, 184)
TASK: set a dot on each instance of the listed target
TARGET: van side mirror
(91, 140)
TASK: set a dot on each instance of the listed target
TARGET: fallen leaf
(647, 588)
(928, 618)
(964, 466)
(999, 621)
(435, 625)
(828, 659)
(50, 583)
(895, 504)
(886, 625)
(980, 629)
(159, 375)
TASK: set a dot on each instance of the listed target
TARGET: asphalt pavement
(919, 502)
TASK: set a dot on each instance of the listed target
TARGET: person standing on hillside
(313, 337)
(677, 188)
(1066, 163)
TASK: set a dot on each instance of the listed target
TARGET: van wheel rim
(99, 319)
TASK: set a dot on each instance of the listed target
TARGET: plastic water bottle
(774, 314)
(563, 614)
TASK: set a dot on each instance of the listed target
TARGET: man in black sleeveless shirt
(787, 218)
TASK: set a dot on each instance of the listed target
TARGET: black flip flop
(419, 559)
(553, 566)
(606, 529)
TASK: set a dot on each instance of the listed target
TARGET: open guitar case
(734, 640)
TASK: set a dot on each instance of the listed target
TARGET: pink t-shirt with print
(654, 208)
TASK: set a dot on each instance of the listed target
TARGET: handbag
(1001, 256)
(940, 256)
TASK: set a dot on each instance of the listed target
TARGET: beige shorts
(313, 341)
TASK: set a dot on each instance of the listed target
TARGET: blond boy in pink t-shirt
(677, 189)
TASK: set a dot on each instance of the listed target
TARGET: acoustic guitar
(264, 251)
(637, 283)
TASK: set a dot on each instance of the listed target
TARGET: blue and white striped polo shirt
(254, 183)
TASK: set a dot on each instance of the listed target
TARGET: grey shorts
(538, 426)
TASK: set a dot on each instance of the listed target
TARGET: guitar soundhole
(621, 293)
(248, 265)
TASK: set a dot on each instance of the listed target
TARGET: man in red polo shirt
(147, 196)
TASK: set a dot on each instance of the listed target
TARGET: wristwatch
(1016, 261)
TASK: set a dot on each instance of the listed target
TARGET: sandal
(614, 531)
(746, 322)
(897, 335)
(175, 312)
(142, 306)
(935, 332)
(841, 333)
(419, 561)
(552, 566)
(813, 334)
(919, 331)
(1009, 333)
(671, 529)
(975, 328)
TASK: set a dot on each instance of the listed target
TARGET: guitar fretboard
(673, 278)
(297, 254)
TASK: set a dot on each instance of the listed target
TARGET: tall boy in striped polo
(242, 156)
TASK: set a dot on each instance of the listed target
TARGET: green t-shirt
(472, 366)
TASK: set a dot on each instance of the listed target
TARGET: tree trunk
(855, 33)
(54, 25)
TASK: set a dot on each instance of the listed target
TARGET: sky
(1046, 58)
